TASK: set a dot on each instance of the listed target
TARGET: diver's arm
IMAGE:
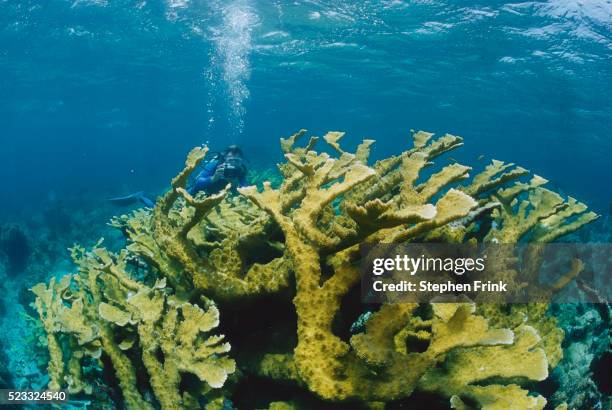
(205, 178)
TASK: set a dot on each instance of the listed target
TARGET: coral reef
(258, 177)
(49, 228)
(587, 339)
(86, 317)
(150, 308)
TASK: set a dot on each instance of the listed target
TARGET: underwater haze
(101, 98)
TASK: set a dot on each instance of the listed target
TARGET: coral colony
(171, 304)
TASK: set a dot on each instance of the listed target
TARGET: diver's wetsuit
(204, 180)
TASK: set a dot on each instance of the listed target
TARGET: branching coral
(151, 306)
(60, 319)
(107, 312)
(464, 367)
(166, 238)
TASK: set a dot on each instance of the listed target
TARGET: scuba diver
(227, 166)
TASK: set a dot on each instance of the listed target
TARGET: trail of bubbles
(233, 45)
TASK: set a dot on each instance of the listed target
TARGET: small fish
(480, 157)
(452, 159)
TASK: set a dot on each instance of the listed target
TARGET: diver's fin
(132, 199)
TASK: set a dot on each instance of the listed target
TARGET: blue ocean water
(101, 97)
